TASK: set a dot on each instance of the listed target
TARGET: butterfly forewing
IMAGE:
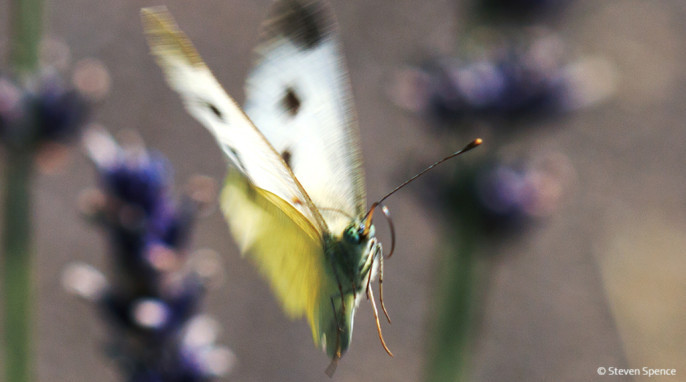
(298, 95)
(207, 101)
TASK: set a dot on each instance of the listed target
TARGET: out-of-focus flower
(45, 111)
(55, 53)
(512, 82)
(520, 9)
(58, 110)
(91, 78)
(152, 298)
(10, 106)
(497, 197)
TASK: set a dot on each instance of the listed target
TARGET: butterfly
(294, 196)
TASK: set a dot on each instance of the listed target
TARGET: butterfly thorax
(350, 255)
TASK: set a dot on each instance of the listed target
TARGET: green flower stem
(461, 270)
(17, 266)
(26, 31)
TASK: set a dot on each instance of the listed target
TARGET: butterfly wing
(298, 94)
(271, 218)
(284, 246)
(207, 101)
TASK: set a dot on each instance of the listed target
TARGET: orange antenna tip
(471, 145)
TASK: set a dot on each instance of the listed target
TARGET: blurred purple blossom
(511, 82)
(520, 9)
(45, 111)
(497, 197)
(153, 296)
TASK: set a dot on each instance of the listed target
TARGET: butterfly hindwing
(284, 246)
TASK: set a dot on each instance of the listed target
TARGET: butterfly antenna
(470, 146)
(370, 214)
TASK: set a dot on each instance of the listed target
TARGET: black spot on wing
(237, 160)
(213, 109)
(291, 101)
(286, 155)
(305, 23)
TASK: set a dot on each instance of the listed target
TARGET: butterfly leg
(379, 254)
(367, 288)
(369, 265)
(370, 296)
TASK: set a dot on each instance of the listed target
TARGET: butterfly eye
(352, 235)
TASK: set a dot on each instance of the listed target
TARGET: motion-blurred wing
(298, 95)
(283, 244)
(208, 103)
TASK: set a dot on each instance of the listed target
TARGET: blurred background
(595, 277)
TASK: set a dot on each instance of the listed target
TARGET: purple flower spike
(512, 83)
(522, 9)
(47, 112)
(153, 298)
(498, 197)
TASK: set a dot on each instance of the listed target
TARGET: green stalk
(17, 266)
(26, 31)
(26, 23)
(459, 278)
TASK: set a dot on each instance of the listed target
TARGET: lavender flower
(153, 297)
(521, 10)
(45, 111)
(510, 83)
(498, 197)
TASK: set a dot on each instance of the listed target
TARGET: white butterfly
(294, 197)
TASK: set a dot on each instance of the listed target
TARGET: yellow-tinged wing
(285, 247)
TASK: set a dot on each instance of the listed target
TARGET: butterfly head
(352, 235)
(357, 233)
(359, 246)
